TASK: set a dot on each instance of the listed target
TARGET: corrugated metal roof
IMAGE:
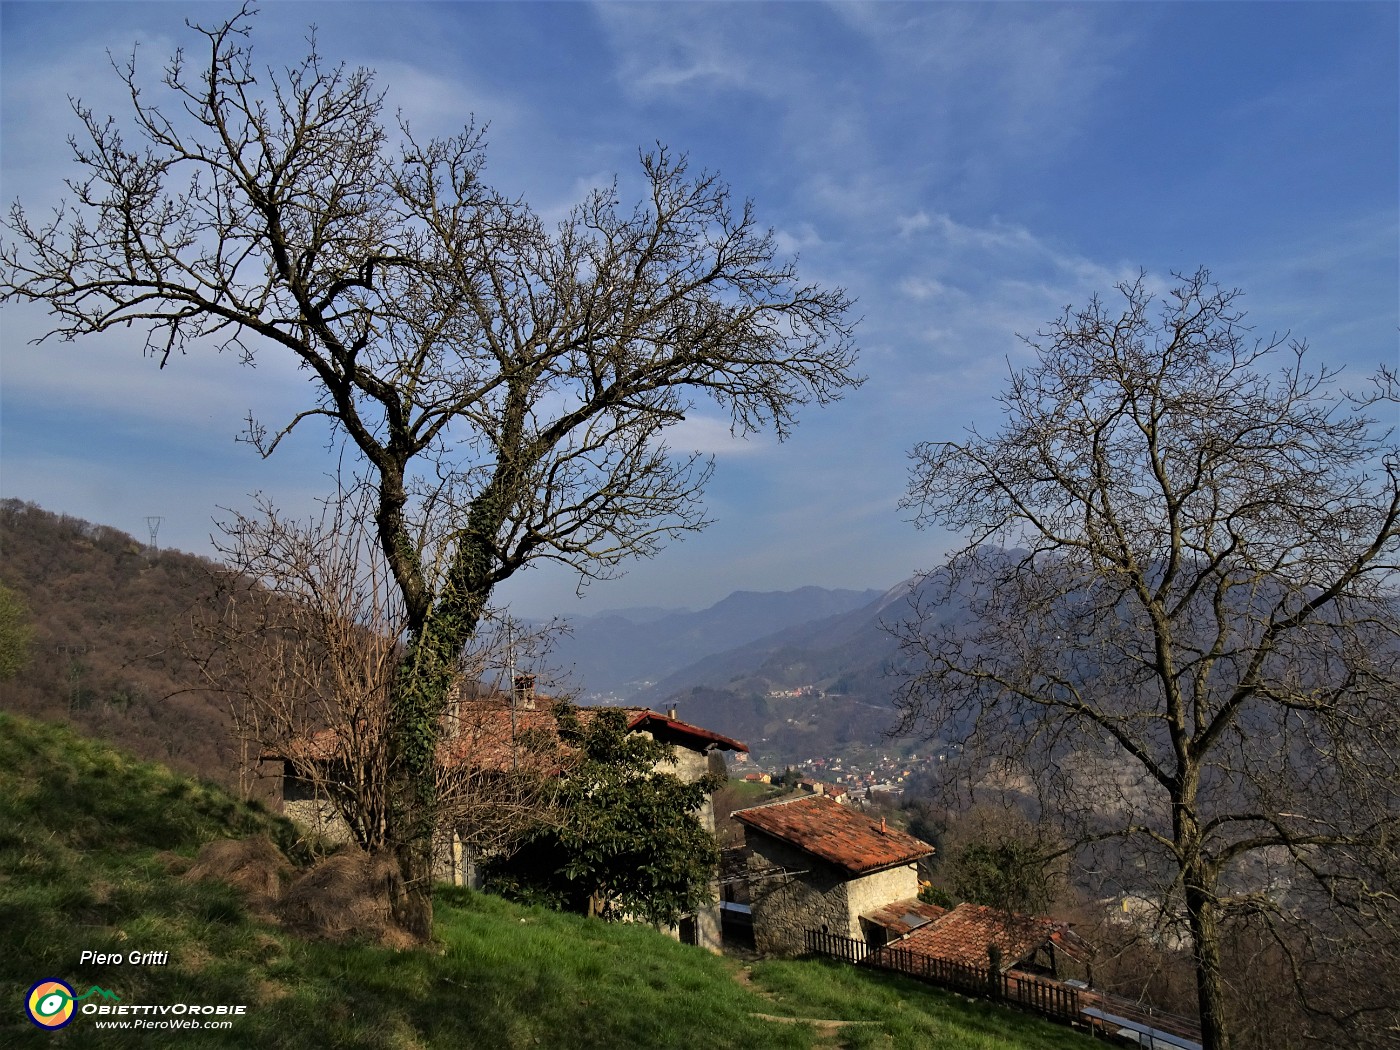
(899, 917)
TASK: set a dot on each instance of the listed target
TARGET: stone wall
(307, 808)
(806, 894)
(811, 895)
(879, 888)
(689, 767)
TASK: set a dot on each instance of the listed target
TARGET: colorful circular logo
(50, 1003)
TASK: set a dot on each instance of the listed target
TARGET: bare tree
(305, 645)
(1177, 625)
(511, 382)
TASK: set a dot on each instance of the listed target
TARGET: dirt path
(827, 1029)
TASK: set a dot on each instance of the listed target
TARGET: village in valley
(866, 774)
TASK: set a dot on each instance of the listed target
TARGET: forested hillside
(111, 639)
(110, 623)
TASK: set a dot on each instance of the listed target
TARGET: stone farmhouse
(816, 864)
(496, 736)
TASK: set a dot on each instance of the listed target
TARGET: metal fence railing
(1156, 1027)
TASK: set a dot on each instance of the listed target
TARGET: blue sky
(964, 170)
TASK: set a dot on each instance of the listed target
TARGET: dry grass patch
(346, 895)
(254, 866)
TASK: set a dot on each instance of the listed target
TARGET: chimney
(671, 714)
(524, 696)
(882, 825)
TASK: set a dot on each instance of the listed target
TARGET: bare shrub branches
(307, 647)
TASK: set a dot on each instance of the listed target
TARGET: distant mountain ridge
(844, 653)
(838, 664)
(620, 654)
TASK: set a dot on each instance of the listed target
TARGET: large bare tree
(1175, 618)
(305, 645)
(506, 385)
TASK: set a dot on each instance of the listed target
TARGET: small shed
(894, 920)
(966, 934)
(816, 864)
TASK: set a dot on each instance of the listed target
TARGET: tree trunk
(412, 788)
(421, 690)
(413, 908)
(1210, 983)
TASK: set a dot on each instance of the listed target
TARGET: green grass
(84, 835)
(910, 1014)
(753, 792)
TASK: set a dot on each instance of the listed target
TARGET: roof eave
(680, 728)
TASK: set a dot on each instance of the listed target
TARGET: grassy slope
(81, 832)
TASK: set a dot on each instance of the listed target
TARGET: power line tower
(153, 524)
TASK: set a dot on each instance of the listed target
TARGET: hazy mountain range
(623, 653)
(792, 673)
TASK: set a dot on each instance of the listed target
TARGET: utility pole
(153, 524)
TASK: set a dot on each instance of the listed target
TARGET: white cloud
(442, 104)
(922, 287)
(796, 240)
(911, 224)
(671, 48)
(710, 434)
(203, 391)
(1014, 79)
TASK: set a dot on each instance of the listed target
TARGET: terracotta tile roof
(486, 731)
(962, 936)
(673, 731)
(320, 746)
(835, 833)
(899, 917)
(487, 734)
